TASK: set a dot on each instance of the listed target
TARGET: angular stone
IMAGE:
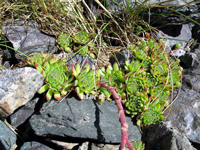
(7, 137)
(27, 38)
(184, 114)
(82, 119)
(161, 137)
(21, 115)
(121, 57)
(174, 35)
(17, 87)
(34, 146)
(76, 58)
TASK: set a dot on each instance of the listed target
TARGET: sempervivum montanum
(86, 80)
(58, 79)
(150, 78)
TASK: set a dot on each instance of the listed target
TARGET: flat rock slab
(82, 119)
(17, 87)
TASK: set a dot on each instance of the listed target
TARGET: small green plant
(138, 145)
(65, 41)
(86, 80)
(81, 39)
(58, 79)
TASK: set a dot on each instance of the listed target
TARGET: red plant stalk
(124, 125)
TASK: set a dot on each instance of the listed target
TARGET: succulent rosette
(65, 41)
(150, 78)
(58, 79)
(86, 80)
(112, 76)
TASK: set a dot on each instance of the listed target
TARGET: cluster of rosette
(57, 77)
(144, 84)
(81, 40)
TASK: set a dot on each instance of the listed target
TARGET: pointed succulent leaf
(49, 94)
(43, 89)
(57, 95)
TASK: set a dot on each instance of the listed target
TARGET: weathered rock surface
(17, 87)
(184, 114)
(121, 57)
(173, 35)
(76, 58)
(168, 16)
(21, 115)
(34, 146)
(7, 137)
(82, 119)
(161, 137)
(92, 146)
(27, 38)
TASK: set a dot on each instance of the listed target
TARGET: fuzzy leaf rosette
(58, 79)
(86, 80)
(150, 78)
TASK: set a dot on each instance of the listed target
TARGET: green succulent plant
(150, 78)
(81, 39)
(138, 145)
(65, 41)
(144, 84)
(58, 79)
(86, 80)
(114, 77)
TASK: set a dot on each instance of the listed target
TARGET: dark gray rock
(76, 58)
(27, 38)
(21, 115)
(161, 137)
(121, 57)
(189, 60)
(17, 87)
(7, 137)
(82, 119)
(173, 36)
(167, 16)
(34, 146)
(184, 114)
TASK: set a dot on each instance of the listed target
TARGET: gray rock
(82, 119)
(161, 137)
(92, 146)
(189, 60)
(17, 87)
(34, 146)
(121, 57)
(21, 115)
(184, 114)
(7, 137)
(184, 34)
(76, 58)
(168, 16)
(117, 5)
(26, 37)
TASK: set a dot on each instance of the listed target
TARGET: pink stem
(124, 125)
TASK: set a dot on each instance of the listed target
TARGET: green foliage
(138, 145)
(144, 84)
(150, 78)
(82, 39)
(58, 79)
(65, 41)
(86, 80)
